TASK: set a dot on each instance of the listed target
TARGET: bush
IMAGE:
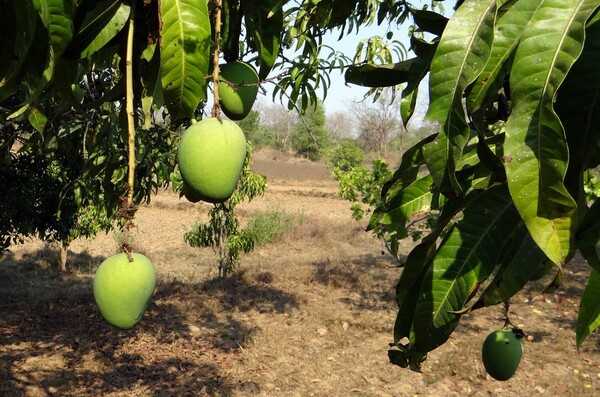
(267, 227)
(346, 155)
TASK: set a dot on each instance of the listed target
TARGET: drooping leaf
(429, 21)
(264, 21)
(184, 54)
(460, 56)
(588, 319)
(536, 151)
(465, 258)
(523, 261)
(401, 205)
(37, 118)
(507, 33)
(407, 291)
(407, 171)
(370, 75)
(113, 26)
(57, 17)
(578, 106)
(408, 103)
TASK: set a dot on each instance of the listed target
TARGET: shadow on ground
(54, 342)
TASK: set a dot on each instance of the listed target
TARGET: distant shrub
(267, 227)
(345, 155)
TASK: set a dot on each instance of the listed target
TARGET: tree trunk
(63, 253)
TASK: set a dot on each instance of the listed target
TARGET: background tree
(378, 124)
(310, 136)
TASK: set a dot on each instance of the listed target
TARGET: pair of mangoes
(212, 152)
(211, 156)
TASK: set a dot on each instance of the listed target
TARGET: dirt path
(310, 315)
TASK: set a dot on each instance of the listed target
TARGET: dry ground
(309, 315)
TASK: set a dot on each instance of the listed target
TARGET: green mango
(123, 289)
(501, 354)
(237, 89)
(211, 156)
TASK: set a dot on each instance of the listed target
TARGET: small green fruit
(123, 289)
(501, 354)
(211, 156)
(237, 89)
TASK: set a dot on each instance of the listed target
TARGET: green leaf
(536, 150)
(464, 259)
(37, 119)
(407, 171)
(407, 291)
(184, 54)
(588, 319)
(370, 75)
(460, 56)
(264, 21)
(408, 103)
(507, 33)
(523, 261)
(578, 106)
(57, 17)
(403, 204)
(111, 28)
(429, 21)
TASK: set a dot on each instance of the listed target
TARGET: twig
(129, 209)
(216, 109)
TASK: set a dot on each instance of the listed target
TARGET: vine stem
(216, 109)
(130, 131)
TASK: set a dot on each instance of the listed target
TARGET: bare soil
(308, 315)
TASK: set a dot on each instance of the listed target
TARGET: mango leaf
(535, 148)
(407, 291)
(522, 262)
(407, 171)
(578, 106)
(37, 118)
(264, 21)
(404, 204)
(460, 56)
(184, 54)
(588, 319)
(408, 102)
(464, 259)
(113, 26)
(57, 17)
(429, 21)
(507, 33)
(370, 75)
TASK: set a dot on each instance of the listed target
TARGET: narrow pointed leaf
(112, 27)
(535, 148)
(507, 33)
(57, 17)
(465, 258)
(588, 319)
(184, 54)
(460, 56)
(264, 22)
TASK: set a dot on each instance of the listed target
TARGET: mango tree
(513, 89)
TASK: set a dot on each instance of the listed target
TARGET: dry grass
(309, 315)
